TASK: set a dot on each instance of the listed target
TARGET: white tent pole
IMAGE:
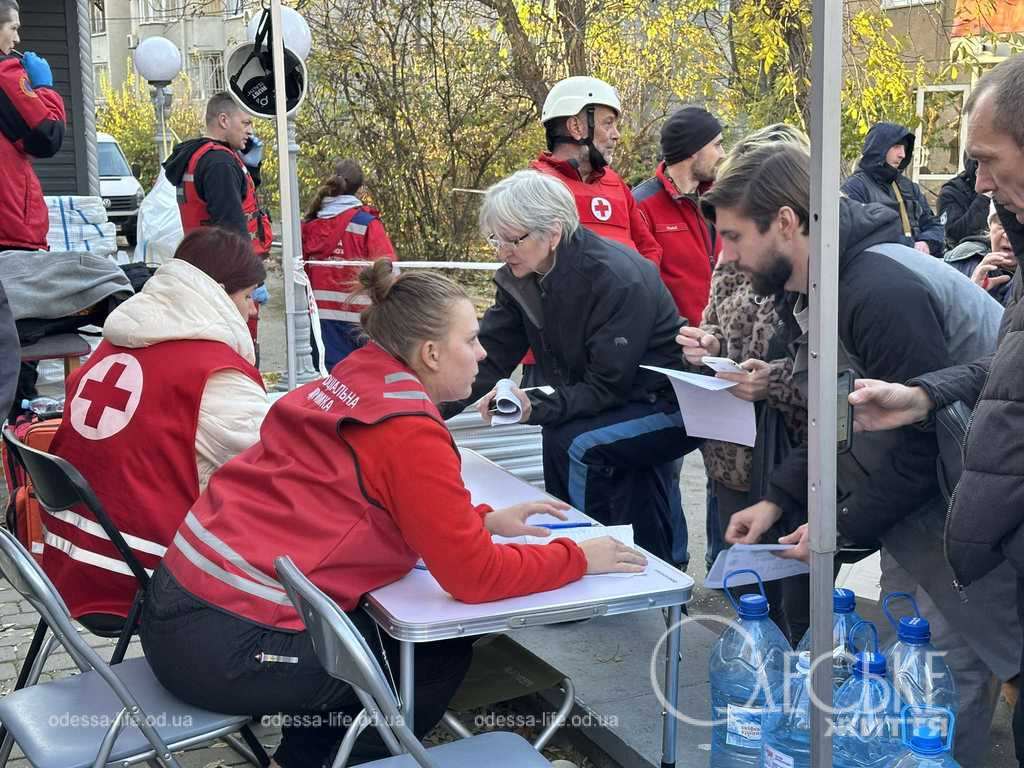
(289, 214)
(826, 83)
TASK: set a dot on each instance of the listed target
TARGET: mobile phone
(722, 365)
(844, 412)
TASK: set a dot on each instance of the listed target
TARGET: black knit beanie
(686, 132)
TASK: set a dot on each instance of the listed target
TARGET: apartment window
(157, 10)
(941, 132)
(98, 17)
(206, 71)
(234, 7)
(100, 77)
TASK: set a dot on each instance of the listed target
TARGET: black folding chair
(59, 486)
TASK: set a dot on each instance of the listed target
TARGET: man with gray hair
(984, 530)
(594, 311)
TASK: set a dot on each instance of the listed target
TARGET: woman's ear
(429, 355)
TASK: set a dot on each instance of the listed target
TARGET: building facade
(203, 30)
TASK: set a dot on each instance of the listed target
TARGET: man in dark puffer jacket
(985, 525)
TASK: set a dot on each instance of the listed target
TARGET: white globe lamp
(158, 60)
(297, 37)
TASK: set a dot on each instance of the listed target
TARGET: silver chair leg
(453, 724)
(345, 748)
(32, 679)
(559, 719)
(236, 743)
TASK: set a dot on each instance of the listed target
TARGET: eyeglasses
(497, 243)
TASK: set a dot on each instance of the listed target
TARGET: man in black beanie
(691, 143)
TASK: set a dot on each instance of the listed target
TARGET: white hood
(180, 301)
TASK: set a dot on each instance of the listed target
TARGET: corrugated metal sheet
(516, 447)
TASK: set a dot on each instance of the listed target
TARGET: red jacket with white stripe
(353, 235)
(32, 125)
(327, 486)
(130, 429)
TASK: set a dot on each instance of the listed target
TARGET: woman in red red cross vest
(355, 477)
(338, 227)
(169, 395)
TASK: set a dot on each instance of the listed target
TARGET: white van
(120, 189)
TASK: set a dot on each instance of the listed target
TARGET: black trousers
(618, 467)
(1018, 710)
(208, 658)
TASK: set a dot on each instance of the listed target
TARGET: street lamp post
(297, 39)
(158, 60)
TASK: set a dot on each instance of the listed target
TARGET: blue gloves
(252, 154)
(38, 70)
(260, 295)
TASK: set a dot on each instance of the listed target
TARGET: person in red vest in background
(216, 176)
(31, 125)
(169, 396)
(691, 144)
(581, 119)
(581, 125)
(338, 227)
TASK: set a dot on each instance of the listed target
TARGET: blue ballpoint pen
(560, 526)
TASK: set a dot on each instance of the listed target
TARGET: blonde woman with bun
(355, 477)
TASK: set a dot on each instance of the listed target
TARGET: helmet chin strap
(594, 157)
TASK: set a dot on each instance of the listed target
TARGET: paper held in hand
(709, 409)
(506, 406)
(762, 558)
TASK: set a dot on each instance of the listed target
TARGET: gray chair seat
(60, 724)
(495, 750)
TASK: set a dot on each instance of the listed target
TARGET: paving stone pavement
(17, 624)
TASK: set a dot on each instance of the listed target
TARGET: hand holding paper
(505, 404)
(709, 410)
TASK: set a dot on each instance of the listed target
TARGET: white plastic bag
(79, 223)
(159, 227)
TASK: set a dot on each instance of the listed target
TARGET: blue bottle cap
(927, 741)
(843, 600)
(753, 606)
(868, 663)
(803, 662)
(914, 630)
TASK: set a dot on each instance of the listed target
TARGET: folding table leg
(669, 724)
(407, 681)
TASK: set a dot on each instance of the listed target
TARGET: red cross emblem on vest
(107, 397)
(601, 208)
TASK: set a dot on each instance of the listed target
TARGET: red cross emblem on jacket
(107, 397)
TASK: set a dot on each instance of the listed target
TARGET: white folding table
(416, 609)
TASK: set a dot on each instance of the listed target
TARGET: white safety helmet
(571, 96)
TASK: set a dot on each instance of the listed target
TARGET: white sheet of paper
(623, 533)
(757, 557)
(708, 410)
(507, 409)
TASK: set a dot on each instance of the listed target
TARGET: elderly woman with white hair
(987, 258)
(593, 311)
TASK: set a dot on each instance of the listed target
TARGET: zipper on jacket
(960, 587)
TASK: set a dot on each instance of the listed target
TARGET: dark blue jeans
(618, 467)
(340, 340)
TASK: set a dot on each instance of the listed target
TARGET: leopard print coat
(744, 323)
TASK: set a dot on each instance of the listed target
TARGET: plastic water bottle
(786, 741)
(867, 712)
(926, 747)
(748, 667)
(918, 671)
(844, 617)
(44, 407)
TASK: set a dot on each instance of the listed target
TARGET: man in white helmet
(581, 116)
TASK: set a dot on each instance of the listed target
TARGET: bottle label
(743, 726)
(775, 759)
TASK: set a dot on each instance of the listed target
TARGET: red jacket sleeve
(640, 231)
(30, 118)
(378, 244)
(419, 482)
